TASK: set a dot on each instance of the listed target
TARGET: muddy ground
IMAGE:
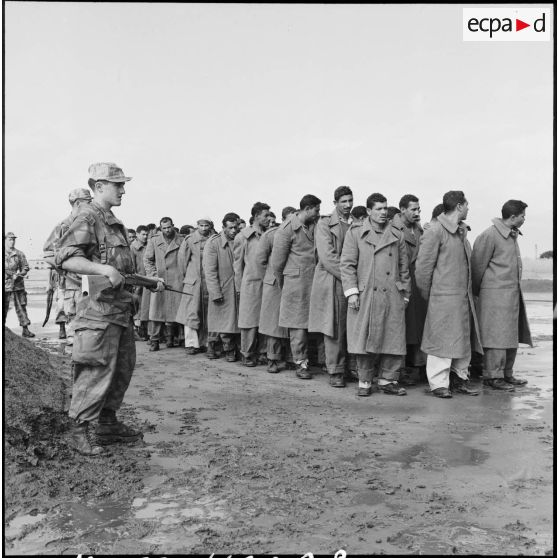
(235, 460)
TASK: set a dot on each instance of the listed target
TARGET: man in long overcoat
(141, 318)
(375, 277)
(293, 261)
(443, 275)
(496, 276)
(408, 222)
(248, 281)
(161, 260)
(271, 300)
(328, 305)
(192, 312)
(218, 266)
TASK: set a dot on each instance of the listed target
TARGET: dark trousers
(498, 363)
(20, 304)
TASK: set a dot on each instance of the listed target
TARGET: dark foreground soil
(235, 460)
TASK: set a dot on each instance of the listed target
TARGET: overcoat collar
(388, 237)
(162, 243)
(225, 240)
(248, 232)
(452, 227)
(398, 223)
(503, 229)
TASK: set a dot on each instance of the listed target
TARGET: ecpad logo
(507, 24)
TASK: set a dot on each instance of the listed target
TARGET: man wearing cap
(69, 284)
(96, 248)
(15, 269)
(192, 312)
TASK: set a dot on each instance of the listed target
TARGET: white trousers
(438, 370)
(191, 337)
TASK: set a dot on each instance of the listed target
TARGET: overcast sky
(211, 108)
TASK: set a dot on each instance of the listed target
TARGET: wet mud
(235, 460)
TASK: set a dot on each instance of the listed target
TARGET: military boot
(82, 440)
(111, 431)
(26, 333)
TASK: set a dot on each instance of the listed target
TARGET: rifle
(96, 283)
(137, 280)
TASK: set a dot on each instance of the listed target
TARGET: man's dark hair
(513, 207)
(392, 211)
(342, 191)
(241, 221)
(257, 208)
(271, 214)
(309, 200)
(359, 211)
(251, 220)
(406, 200)
(287, 211)
(438, 210)
(186, 229)
(91, 183)
(375, 198)
(142, 228)
(166, 220)
(231, 218)
(151, 226)
(452, 198)
(132, 231)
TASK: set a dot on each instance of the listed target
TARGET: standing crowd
(368, 291)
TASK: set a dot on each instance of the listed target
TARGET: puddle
(534, 411)
(449, 453)
(15, 527)
(78, 517)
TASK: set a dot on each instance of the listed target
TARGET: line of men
(398, 298)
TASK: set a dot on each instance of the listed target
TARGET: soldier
(131, 236)
(218, 266)
(271, 300)
(69, 284)
(443, 276)
(293, 261)
(328, 305)
(248, 278)
(161, 260)
(375, 276)
(496, 276)
(141, 319)
(408, 222)
(192, 312)
(104, 353)
(15, 269)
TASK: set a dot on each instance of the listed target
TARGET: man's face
(378, 213)
(142, 237)
(272, 222)
(167, 228)
(131, 237)
(204, 228)
(10, 243)
(463, 210)
(312, 214)
(110, 192)
(262, 219)
(518, 220)
(411, 213)
(230, 229)
(344, 205)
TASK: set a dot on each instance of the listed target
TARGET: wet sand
(235, 460)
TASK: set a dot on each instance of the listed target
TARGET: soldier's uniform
(15, 262)
(104, 352)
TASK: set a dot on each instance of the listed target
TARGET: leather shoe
(249, 361)
(364, 391)
(230, 356)
(191, 350)
(27, 333)
(336, 380)
(405, 379)
(115, 432)
(272, 367)
(515, 381)
(498, 383)
(302, 372)
(154, 346)
(393, 388)
(444, 393)
(463, 386)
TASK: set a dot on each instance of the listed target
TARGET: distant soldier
(141, 319)
(328, 305)
(443, 276)
(248, 281)
(276, 337)
(15, 269)
(376, 282)
(408, 222)
(161, 260)
(496, 275)
(218, 266)
(293, 261)
(131, 236)
(104, 352)
(192, 311)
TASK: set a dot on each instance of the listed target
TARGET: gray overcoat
(271, 291)
(293, 261)
(376, 265)
(218, 266)
(248, 277)
(161, 260)
(443, 275)
(138, 251)
(496, 275)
